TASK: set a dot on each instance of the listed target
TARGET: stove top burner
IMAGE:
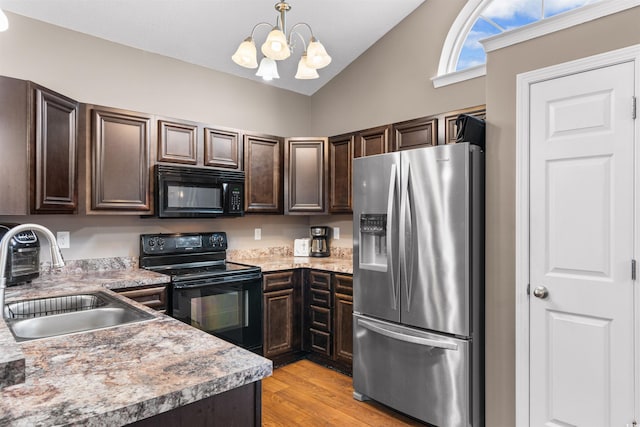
(198, 272)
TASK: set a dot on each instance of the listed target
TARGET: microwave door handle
(391, 203)
(407, 338)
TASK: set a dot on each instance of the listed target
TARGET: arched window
(510, 21)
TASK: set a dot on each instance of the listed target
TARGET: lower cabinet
(308, 313)
(282, 312)
(154, 297)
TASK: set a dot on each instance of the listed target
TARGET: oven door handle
(211, 281)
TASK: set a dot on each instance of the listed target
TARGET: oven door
(227, 307)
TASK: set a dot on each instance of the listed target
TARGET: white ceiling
(207, 32)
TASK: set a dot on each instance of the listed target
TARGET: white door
(581, 249)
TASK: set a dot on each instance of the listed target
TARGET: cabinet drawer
(320, 280)
(277, 281)
(320, 342)
(155, 297)
(321, 318)
(343, 284)
(321, 298)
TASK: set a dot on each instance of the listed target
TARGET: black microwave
(190, 192)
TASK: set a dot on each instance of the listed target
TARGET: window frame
(467, 17)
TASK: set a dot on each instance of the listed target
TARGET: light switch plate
(336, 233)
(257, 234)
(63, 239)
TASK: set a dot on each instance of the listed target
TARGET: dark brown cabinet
(154, 297)
(120, 161)
(417, 133)
(340, 170)
(320, 318)
(263, 164)
(222, 148)
(343, 320)
(305, 175)
(177, 141)
(39, 133)
(372, 141)
(282, 327)
(451, 130)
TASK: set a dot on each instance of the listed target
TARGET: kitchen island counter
(122, 374)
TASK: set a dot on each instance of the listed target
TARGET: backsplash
(78, 266)
(281, 251)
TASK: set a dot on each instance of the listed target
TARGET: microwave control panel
(236, 198)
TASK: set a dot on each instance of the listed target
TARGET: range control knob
(160, 241)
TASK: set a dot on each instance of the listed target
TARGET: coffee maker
(319, 241)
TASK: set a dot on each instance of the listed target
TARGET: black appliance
(319, 241)
(207, 292)
(189, 192)
(23, 258)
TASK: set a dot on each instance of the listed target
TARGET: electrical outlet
(63, 239)
(257, 234)
(336, 233)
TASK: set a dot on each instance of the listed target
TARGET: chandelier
(278, 46)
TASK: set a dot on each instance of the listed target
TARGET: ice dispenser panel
(373, 242)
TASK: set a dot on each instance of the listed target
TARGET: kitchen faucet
(56, 256)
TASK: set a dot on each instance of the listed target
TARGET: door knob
(540, 292)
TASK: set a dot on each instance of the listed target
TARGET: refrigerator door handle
(406, 231)
(407, 338)
(391, 201)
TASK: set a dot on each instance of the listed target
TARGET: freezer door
(376, 197)
(424, 375)
(435, 225)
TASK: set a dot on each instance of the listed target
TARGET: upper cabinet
(340, 169)
(120, 161)
(222, 148)
(39, 133)
(263, 164)
(417, 133)
(305, 175)
(372, 141)
(177, 141)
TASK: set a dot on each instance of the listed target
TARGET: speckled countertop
(277, 259)
(117, 375)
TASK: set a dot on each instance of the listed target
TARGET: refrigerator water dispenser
(373, 242)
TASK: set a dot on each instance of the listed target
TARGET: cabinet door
(340, 167)
(177, 142)
(305, 175)
(120, 161)
(154, 297)
(343, 329)
(278, 322)
(263, 174)
(53, 171)
(372, 141)
(222, 148)
(415, 133)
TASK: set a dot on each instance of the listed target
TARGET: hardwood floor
(307, 394)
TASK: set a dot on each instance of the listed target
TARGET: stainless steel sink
(67, 314)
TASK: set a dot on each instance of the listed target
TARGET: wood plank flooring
(307, 394)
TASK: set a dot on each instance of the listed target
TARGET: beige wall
(502, 68)
(388, 83)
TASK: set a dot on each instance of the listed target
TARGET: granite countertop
(279, 263)
(117, 375)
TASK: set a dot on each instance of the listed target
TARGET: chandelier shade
(278, 46)
(268, 69)
(304, 71)
(245, 56)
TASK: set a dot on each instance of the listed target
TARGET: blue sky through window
(504, 15)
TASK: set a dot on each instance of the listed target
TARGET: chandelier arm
(304, 45)
(255, 27)
(297, 25)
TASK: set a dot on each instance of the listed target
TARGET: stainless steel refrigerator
(418, 296)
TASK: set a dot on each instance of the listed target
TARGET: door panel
(376, 269)
(581, 237)
(434, 221)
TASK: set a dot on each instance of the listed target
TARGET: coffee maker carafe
(319, 241)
